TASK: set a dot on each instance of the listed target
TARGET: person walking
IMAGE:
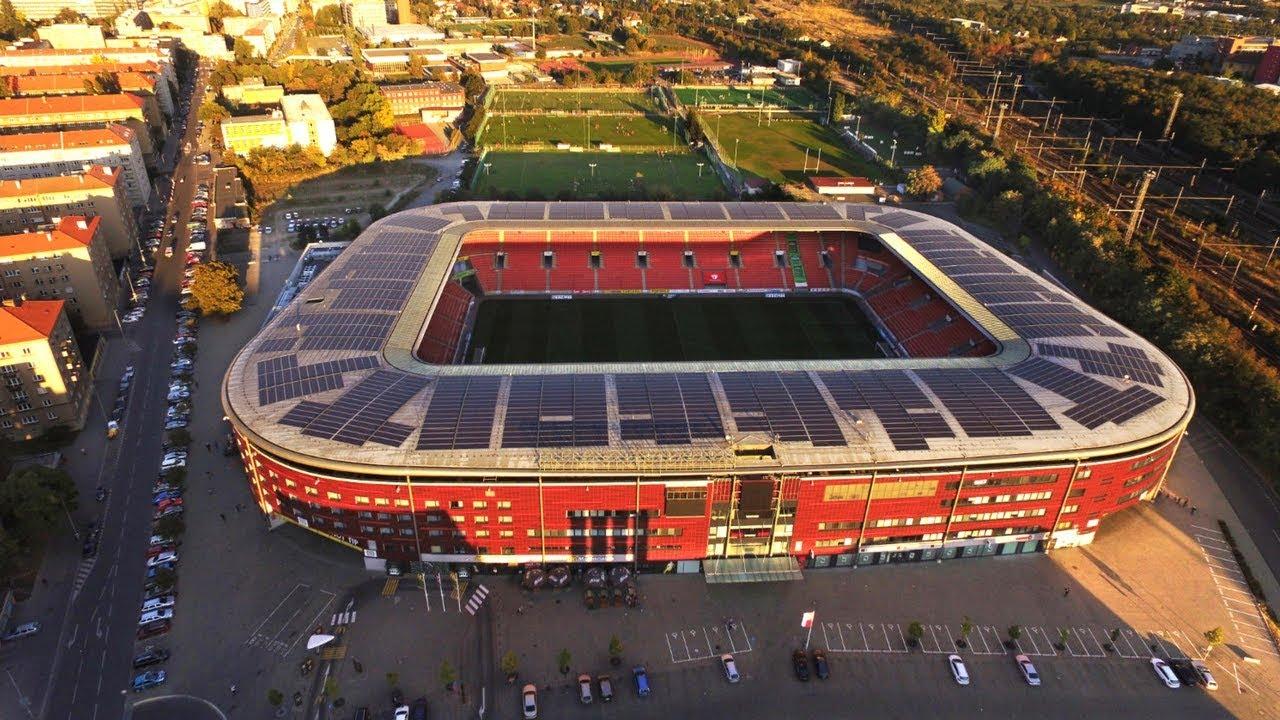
(1066, 591)
(223, 516)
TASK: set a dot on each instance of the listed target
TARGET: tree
(615, 649)
(447, 674)
(966, 627)
(275, 697)
(180, 437)
(418, 68)
(215, 289)
(104, 83)
(176, 477)
(67, 15)
(915, 631)
(923, 182)
(12, 24)
(329, 16)
(1214, 637)
(35, 499)
(393, 679)
(219, 11)
(211, 111)
(165, 578)
(170, 527)
(509, 664)
(331, 686)
(837, 106)
(1015, 632)
(563, 659)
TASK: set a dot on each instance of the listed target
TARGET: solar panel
(518, 211)
(669, 409)
(1120, 361)
(987, 403)
(281, 378)
(908, 416)
(753, 211)
(787, 405)
(898, 219)
(363, 413)
(276, 344)
(810, 211)
(302, 414)
(576, 211)
(695, 211)
(460, 415)
(635, 211)
(1096, 402)
(556, 411)
(369, 299)
(859, 212)
(470, 213)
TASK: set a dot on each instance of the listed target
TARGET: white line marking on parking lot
(669, 649)
(277, 607)
(1215, 531)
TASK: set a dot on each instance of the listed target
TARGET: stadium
(741, 389)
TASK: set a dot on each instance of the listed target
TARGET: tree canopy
(35, 500)
(215, 289)
(13, 24)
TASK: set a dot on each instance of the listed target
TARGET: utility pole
(1147, 177)
(1173, 113)
(999, 120)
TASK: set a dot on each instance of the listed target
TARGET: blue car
(151, 572)
(166, 495)
(148, 680)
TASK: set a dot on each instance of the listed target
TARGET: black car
(820, 667)
(800, 663)
(150, 656)
(418, 711)
(90, 547)
(1186, 673)
(100, 494)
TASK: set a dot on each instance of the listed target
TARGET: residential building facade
(244, 134)
(46, 154)
(68, 262)
(309, 122)
(98, 192)
(46, 381)
(441, 98)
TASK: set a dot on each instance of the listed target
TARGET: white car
(1028, 670)
(171, 463)
(584, 689)
(1165, 673)
(162, 558)
(23, 630)
(154, 615)
(402, 713)
(958, 670)
(1205, 675)
(730, 668)
(158, 603)
(529, 701)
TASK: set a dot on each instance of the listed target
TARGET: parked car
(158, 603)
(152, 571)
(958, 669)
(151, 616)
(148, 680)
(1165, 673)
(584, 689)
(730, 668)
(1027, 669)
(1206, 677)
(641, 678)
(89, 548)
(820, 667)
(100, 494)
(800, 665)
(155, 629)
(150, 656)
(1187, 674)
(606, 688)
(24, 630)
(529, 701)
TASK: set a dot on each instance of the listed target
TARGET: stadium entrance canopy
(744, 570)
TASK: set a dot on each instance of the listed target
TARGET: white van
(197, 246)
(154, 615)
(157, 603)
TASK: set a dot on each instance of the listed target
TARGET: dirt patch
(825, 19)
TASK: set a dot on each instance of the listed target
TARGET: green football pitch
(615, 175)
(661, 329)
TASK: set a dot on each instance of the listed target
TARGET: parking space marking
(1093, 641)
(687, 644)
(1129, 636)
(990, 638)
(940, 642)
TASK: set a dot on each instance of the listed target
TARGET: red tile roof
(91, 69)
(32, 320)
(72, 233)
(74, 84)
(68, 139)
(69, 104)
(96, 176)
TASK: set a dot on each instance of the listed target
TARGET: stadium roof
(332, 381)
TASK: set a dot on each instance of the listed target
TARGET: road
(92, 669)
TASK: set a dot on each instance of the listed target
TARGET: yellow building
(242, 134)
(253, 92)
(68, 262)
(43, 372)
(31, 203)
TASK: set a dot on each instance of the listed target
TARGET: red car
(166, 504)
(154, 629)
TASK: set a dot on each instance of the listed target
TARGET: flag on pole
(806, 621)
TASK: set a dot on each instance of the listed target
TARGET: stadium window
(735, 259)
(689, 261)
(594, 261)
(779, 258)
(548, 259)
(642, 259)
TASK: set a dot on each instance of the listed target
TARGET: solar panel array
(576, 211)
(282, 378)
(363, 413)
(908, 416)
(518, 211)
(556, 411)
(344, 331)
(635, 211)
(753, 211)
(987, 403)
(1121, 361)
(898, 219)
(276, 344)
(785, 404)
(811, 211)
(695, 211)
(1096, 402)
(470, 213)
(460, 415)
(669, 409)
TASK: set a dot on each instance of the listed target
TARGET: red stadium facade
(1008, 418)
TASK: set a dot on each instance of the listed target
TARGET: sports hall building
(1004, 415)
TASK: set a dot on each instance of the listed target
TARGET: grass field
(573, 101)
(583, 131)
(617, 175)
(657, 329)
(776, 151)
(793, 98)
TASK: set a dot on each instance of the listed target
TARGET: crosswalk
(82, 573)
(391, 586)
(477, 599)
(345, 617)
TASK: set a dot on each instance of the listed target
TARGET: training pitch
(669, 329)
(791, 98)
(776, 150)
(573, 101)
(616, 175)
(579, 130)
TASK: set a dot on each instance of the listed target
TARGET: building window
(504, 504)
(381, 501)
(333, 495)
(311, 491)
(430, 503)
(455, 504)
(480, 518)
(479, 504)
(1068, 509)
(481, 533)
(361, 500)
(506, 533)
(505, 520)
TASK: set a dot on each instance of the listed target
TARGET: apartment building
(364, 13)
(46, 383)
(140, 113)
(68, 262)
(47, 154)
(243, 134)
(301, 120)
(98, 192)
(47, 9)
(72, 35)
(253, 92)
(134, 83)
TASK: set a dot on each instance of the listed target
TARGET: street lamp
(857, 132)
(735, 152)
(593, 169)
(893, 151)
(700, 169)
